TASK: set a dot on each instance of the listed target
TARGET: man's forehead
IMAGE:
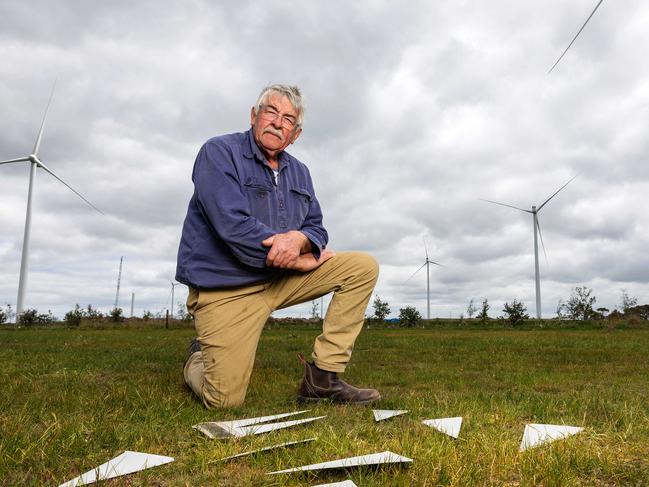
(280, 102)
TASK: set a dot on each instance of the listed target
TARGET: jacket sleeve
(312, 226)
(225, 206)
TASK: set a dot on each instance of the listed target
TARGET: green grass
(70, 399)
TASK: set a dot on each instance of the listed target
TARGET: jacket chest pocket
(259, 193)
(300, 202)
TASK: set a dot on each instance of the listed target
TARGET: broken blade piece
(227, 429)
(272, 447)
(344, 483)
(537, 434)
(265, 428)
(127, 462)
(373, 459)
(448, 426)
(383, 414)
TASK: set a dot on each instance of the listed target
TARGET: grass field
(73, 398)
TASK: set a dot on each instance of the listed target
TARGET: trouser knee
(365, 264)
(215, 400)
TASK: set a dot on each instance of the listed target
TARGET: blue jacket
(236, 205)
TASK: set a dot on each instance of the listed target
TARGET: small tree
(147, 315)
(580, 304)
(314, 309)
(627, 301)
(92, 313)
(516, 312)
(4, 316)
(74, 316)
(116, 315)
(409, 316)
(483, 315)
(28, 317)
(471, 309)
(31, 317)
(182, 312)
(381, 308)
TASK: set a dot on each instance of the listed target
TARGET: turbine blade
(436, 263)
(425, 247)
(557, 192)
(45, 168)
(538, 226)
(503, 204)
(19, 159)
(40, 132)
(413, 274)
(577, 35)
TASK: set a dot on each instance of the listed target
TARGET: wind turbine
(537, 230)
(426, 263)
(35, 163)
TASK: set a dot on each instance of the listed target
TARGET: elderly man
(253, 242)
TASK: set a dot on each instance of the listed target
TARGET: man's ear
(253, 116)
(295, 135)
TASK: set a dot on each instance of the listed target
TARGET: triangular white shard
(272, 447)
(381, 414)
(228, 429)
(127, 462)
(218, 430)
(448, 426)
(373, 459)
(265, 428)
(344, 483)
(537, 434)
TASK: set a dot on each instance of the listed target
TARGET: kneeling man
(253, 242)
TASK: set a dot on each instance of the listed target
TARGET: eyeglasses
(269, 114)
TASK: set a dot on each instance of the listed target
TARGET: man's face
(274, 125)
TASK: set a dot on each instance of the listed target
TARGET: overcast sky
(413, 114)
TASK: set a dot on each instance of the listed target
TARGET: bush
(30, 317)
(73, 317)
(116, 315)
(516, 313)
(580, 304)
(409, 316)
(3, 316)
(381, 308)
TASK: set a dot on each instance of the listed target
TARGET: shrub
(116, 315)
(73, 317)
(483, 315)
(30, 317)
(3, 316)
(516, 312)
(409, 316)
(381, 308)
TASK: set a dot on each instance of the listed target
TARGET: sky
(414, 113)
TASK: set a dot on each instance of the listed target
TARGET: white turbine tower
(537, 230)
(426, 263)
(35, 163)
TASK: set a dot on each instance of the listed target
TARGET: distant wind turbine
(35, 162)
(537, 229)
(427, 264)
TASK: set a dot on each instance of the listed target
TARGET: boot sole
(312, 400)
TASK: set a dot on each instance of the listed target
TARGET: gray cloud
(413, 115)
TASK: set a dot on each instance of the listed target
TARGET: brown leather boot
(318, 384)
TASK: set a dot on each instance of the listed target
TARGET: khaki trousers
(229, 322)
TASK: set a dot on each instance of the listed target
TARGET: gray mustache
(274, 132)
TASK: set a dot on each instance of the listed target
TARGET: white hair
(292, 93)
